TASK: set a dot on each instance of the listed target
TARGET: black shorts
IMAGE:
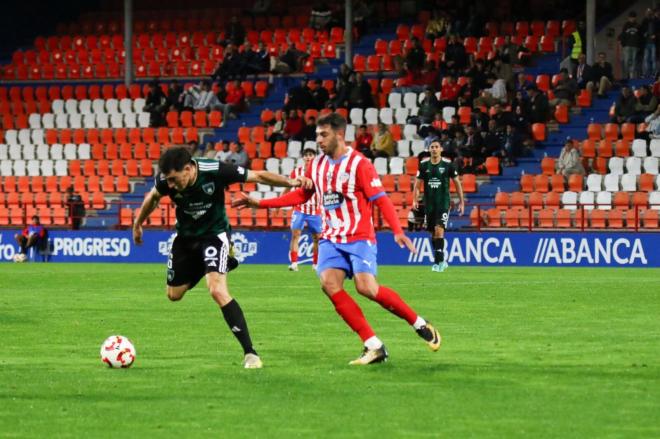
(192, 257)
(436, 218)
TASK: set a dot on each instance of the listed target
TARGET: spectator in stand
(469, 150)
(174, 98)
(478, 74)
(156, 105)
(624, 108)
(569, 161)
(511, 52)
(383, 144)
(235, 33)
(309, 130)
(456, 58)
(34, 235)
(565, 90)
(630, 38)
(468, 92)
(493, 143)
(449, 93)
(344, 73)
(224, 151)
(502, 70)
(235, 101)
(230, 67)
(201, 97)
(256, 59)
(512, 145)
(320, 17)
(260, 8)
(294, 59)
(521, 84)
(361, 14)
(454, 126)
(653, 124)
(437, 25)
(299, 97)
(429, 76)
(194, 148)
(359, 95)
(479, 119)
(577, 43)
(237, 155)
(493, 95)
(363, 141)
(583, 73)
(645, 104)
(294, 125)
(416, 56)
(448, 145)
(500, 116)
(320, 95)
(601, 72)
(429, 107)
(278, 129)
(340, 99)
(648, 30)
(76, 207)
(539, 106)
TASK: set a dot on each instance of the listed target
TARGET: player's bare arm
(150, 202)
(265, 177)
(415, 194)
(389, 214)
(461, 198)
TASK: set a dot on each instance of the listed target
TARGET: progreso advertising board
(489, 249)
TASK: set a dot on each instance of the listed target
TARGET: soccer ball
(19, 257)
(117, 351)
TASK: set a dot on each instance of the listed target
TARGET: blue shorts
(299, 219)
(353, 257)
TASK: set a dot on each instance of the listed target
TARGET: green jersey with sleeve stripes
(200, 208)
(436, 183)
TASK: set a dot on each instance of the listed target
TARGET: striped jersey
(311, 207)
(346, 189)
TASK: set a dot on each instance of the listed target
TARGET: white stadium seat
(287, 165)
(130, 120)
(394, 100)
(651, 165)
(61, 168)
(11, 137)
(70, 151)
(112, 106)
(84, 151)
(102, 120)
(28, 152)
(416, 146)
(294, 149)
(15, 152)
(611, 182)
(263, 187)
(410, 100)
(410, 132)
(125, 106)
(34, 120)
(371, 116)
(380, 163)
(56, 151)
(24, 136)
(356, 116)
(85, 106)
(62, 121)
(6, 167)
(273, 165)
(89, 120)
(594, 182)
(386, 115)
(350, 133)
(33, 168)
(655, 147)
(75, 121)
(71, 106)
(43, 152)
(20, 168)
(604, 200)
(397, 166)
(98, 106)
(310, 144)
(57, 106)
(37, 136)
(116, 120)
(447, 113)
(143, 120)
(633, 165)
(654, 200)
(401, 115)
(628, 183)
(616, 165)
(138, 105)
(639, 148)
(587, 199)
(48, 120)
(403, 148)
(4, 151)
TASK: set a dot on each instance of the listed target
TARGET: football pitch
(527, 352)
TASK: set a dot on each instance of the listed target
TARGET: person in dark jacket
(624, 108)
(156, 105)
(538, 105)
(76, 208)
(630, 42)
(602, 75)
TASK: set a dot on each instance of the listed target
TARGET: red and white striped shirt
(311, 207)
(346, 188)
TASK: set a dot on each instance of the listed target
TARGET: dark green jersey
(436, 183)
(200, 209)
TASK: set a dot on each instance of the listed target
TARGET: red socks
(391, 301)
(293, 256)
(349, 310)
(315, 257)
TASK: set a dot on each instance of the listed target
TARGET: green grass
(528, 352)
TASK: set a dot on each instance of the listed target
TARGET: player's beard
(331, 147)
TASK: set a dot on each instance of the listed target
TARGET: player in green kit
(201, 246)
(435, 174)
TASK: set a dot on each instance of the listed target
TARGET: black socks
(235, 319)
(439, 247)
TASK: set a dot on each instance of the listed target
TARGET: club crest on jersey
(208, 188)
(441, 170)
(332, 200)
(343, 177)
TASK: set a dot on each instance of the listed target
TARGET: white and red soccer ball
(117, 351)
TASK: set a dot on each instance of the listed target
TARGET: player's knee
(175, 294)
(367, 289)
(220, 295)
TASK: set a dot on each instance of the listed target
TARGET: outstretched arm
(148, 205)
(265, 177)
(293, 198)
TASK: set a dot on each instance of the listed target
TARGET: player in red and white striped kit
(348, 186)
(308, 213)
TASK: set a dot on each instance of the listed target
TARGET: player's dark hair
(174, 159)
(309, 151)
(335, 120)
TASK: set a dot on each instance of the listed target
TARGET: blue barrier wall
(523, 248)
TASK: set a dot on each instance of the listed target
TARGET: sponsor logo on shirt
(332, 200)
(208, 188)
